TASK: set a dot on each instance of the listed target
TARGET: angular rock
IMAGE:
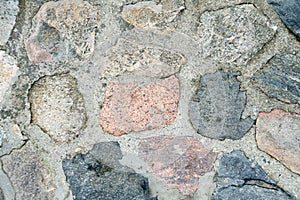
(280, 78)
(128, 107)
(177, 161)
(217, 107)
(233, 34)
(240, 178)
(99, 175)
(127, 57)
(289, 12)
(278, 134)
(57, 107)
(8, 14)
(62, 31)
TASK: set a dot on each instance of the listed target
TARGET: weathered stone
(239, 178)
(62, 31)
(1, 195)
(99, 175)
(289, 12)
(217, 107)
(128, 107)
(280, 78)
(278, 134)
(127, 57)
(178, 161)
(8, 13)
(57, 107)
(233, 34)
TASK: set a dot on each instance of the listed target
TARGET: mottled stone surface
(99, 175)
(62, 31)
(240, 178)
(129, 58)
(178, 161)
(233, 34)
(57, 107)
(8, 13)
(289, 12)
(278, 134)
(128, 107)
(217, 107)
(280, 78)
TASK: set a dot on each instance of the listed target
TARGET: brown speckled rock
(128, 107)
(278, 134)
(178, 161)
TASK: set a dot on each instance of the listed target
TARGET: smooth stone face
(99, 175)
(278, 134)
(217, 107)
(280, 78)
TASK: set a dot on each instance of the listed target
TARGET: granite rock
(216, 108)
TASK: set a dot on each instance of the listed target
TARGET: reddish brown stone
(278, 134)
(178, 161)
(128, 107)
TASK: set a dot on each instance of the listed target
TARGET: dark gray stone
(99, 175)
(1, 195)
(289, 12)
(217, 107)
(280, 78)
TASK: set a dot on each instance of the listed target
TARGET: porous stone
(57, 107)
(278, 134)
(8, 14)
(129, 58)
(289, 12)
(280, 78)
(216, 108)
(62, 31)
(99, 175)
(233, 34)
(128, 107)
(177, 161)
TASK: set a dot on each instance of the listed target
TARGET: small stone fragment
(8, 14)
(57, 107)
(233, 34)
(278, 134)
(128, 107)
(62, 31)
(280, 78)
(178, 161)
(289, 12)
(217, 107)
(99, 175)
(130, 58)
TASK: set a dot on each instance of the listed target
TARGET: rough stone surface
(1, 195)
(233, 34)
(128, 107)
(8, 12)
(280, 78)
(278, 134)
(240, 178)
(178, 161)
(99, 175)
(62, 31)
(127, 57)
(57, 107)
(217, 107)
(289, 12)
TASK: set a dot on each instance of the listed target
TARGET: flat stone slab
(177, 161)
(57, 107)
(233, 34)
(128, 107)
(130, 58)
(278, 134)
(216, 108)
(280, 78)
(99, 175)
